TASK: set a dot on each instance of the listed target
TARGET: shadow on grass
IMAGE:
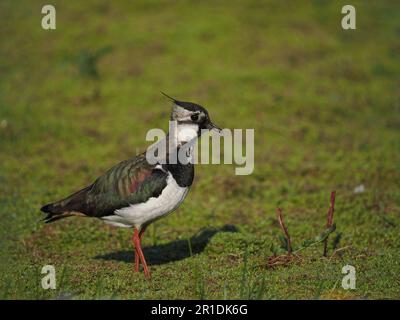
(172, 251)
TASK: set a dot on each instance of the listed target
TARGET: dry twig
(284, 229)
(329, 221)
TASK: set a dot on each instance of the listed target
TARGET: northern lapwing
(137, 192)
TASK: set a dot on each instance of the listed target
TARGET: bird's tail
(67, 207)
(54, 212)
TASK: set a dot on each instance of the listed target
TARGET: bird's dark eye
(194, 117)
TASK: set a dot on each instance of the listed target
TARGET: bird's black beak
(211, 126)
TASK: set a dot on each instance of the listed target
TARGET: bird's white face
(190, 120)
(183, 115)
(187, 123)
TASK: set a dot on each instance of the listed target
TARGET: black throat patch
(182, 173)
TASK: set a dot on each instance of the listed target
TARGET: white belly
(139, 214)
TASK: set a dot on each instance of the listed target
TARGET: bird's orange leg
(139, 252)
(137, 261)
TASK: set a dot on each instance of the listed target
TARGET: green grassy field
(325, 106)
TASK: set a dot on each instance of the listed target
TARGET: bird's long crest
(169, 97)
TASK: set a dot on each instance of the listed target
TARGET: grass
(324, 104)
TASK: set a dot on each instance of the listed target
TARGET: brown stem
(329, 220)
(284, 229)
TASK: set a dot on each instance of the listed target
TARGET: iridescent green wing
(129, 182)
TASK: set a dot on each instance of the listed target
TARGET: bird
(136, 192)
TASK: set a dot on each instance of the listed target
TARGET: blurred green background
(324, 103)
